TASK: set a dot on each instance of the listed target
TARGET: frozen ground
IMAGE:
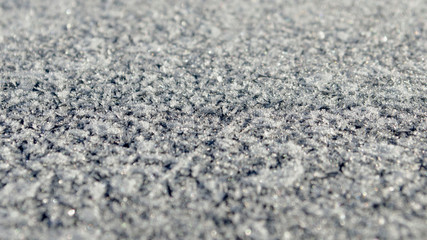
(213, 119)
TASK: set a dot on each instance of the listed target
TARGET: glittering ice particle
(384, 39)
(71, 212)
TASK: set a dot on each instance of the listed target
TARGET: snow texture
(192, 119)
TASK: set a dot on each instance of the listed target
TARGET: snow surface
(213, 119)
